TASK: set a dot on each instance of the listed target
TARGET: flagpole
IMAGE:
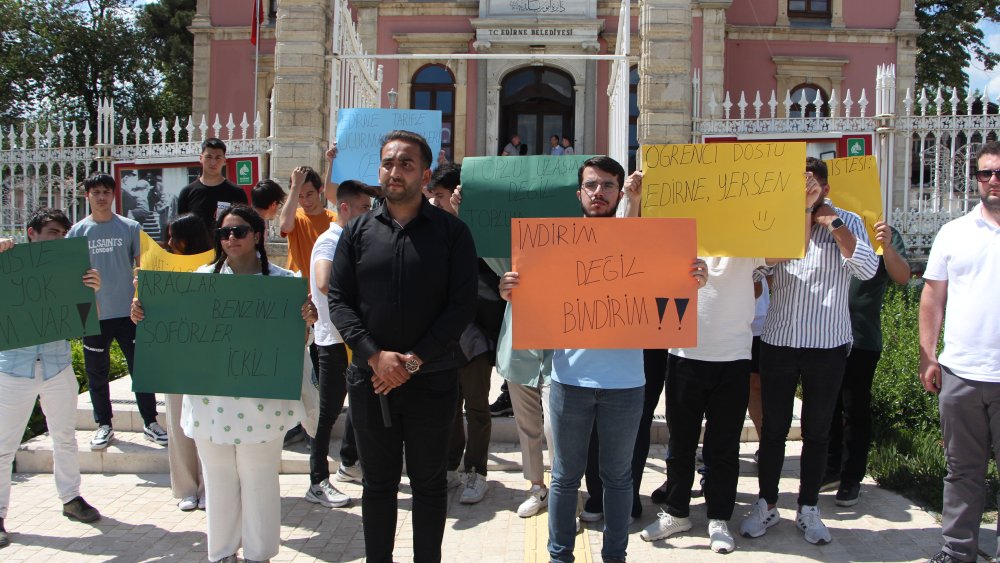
(256, 60)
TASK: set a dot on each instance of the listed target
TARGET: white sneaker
(812, 526)
(327, 495)
(155, 433)
(455, 479)
(721, 540)
(665, 526)
(102, 438)
(187, 504)
(591, 516)
(536, 501)
(759, 520)
(349, 473)
(475, 488)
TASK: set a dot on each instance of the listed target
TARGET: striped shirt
(809, 295)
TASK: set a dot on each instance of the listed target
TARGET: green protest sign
(217, 334)
(498, 188)
(42, 296)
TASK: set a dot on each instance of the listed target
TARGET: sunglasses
(239, 232)
(985, 175)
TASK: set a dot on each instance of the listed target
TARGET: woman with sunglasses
(239, 439)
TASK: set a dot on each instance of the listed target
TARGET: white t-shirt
(966, 254)
(725, 312)
(324, 249)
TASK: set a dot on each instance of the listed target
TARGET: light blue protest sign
(359, 135)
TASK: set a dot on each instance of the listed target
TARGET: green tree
(951, 40)
(164, 25)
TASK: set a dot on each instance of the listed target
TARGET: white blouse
(238, 420)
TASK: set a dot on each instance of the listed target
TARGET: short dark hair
(191, 231)
(213, 143)
(991, 148)
(353, 188)
(105, 180)
(818, 169)
(409, 137)
(605, 163)
(265, 193)
(313, 177)
(44, 215)
(447, 176)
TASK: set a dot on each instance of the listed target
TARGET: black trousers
(655, 369)
(851, 425)
(332, 363)
(422, 412)
(97, 361)
(717, 392)
(781, 368)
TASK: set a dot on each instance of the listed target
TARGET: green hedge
(119, 368)
(907, 454)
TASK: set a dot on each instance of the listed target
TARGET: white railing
(937, 141)
(354, 82)
(48, 168)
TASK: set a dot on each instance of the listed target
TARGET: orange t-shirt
(301, 240)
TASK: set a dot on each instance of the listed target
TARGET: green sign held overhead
(244, 173)
(498, 188)
(42, 296)
(217, 334)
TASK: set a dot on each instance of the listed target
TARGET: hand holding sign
(747, 197)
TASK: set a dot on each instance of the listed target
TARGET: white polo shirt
(966, 254)
(324, 249)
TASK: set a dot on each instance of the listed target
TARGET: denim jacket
(20, 362)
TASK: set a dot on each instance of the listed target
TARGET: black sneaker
(943, 557)
(78, 509)
(294, 435)
(659, 495)
(502, 406)
(829, 483)
(4, 538)
(700, 491)
(847, 495)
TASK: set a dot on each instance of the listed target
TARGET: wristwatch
(836, 224)
(412, 365)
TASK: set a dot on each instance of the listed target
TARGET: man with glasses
(962, 270)
(595, 388)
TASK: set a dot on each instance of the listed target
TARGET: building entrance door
(536, 103)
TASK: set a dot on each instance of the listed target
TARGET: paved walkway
(141, 523)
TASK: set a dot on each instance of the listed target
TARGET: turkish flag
(258, 17)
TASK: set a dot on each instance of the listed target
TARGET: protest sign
(855, 186)
(604, 283)
(152, 257)
(42, 296)
(359, 139)
(496, 189)
(218, 334)
(748, 198)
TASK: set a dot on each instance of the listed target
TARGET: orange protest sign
(604, 283)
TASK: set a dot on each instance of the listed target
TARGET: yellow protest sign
(152, 257)
(747, 198)
(855, 186)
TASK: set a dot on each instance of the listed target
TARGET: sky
(979, 78)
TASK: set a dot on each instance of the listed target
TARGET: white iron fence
(47, 169)
(926, 154)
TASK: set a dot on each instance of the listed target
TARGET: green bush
(119, 368)
(907, 455)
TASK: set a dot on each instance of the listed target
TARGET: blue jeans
(615, 413)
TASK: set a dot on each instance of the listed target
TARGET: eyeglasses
(239, 232)
(986, 175)
(593, 187)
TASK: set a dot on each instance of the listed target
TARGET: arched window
(434, 89)
(809, 8)
(633, 117)
(810, 91)
(536, 103)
